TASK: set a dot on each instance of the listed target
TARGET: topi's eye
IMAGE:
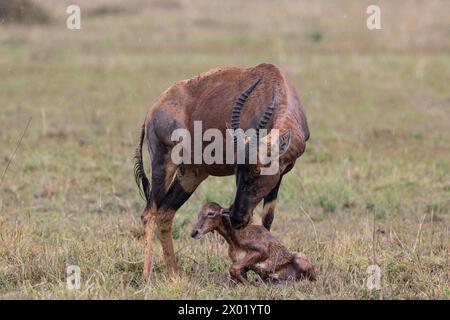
(256, 171)
(211, 214)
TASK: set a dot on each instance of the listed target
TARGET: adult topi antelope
(223, 98)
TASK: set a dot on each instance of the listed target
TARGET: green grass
(372, 187)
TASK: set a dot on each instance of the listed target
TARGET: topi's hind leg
(179, 192)
(164, 221)
(148, 219)
(163, 171)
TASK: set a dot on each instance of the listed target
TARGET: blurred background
(373, 186)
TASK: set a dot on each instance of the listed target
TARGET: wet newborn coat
(253, 248)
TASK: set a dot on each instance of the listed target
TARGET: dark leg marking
(269, 206)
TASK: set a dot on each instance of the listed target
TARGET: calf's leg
(304, 268)
(256, 252)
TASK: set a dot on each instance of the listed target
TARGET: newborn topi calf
(253, 248)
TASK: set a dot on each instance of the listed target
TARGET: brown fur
(209, 98)
(253, 248)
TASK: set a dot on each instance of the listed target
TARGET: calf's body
(253, 248)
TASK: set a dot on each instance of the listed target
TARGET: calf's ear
(224, 212)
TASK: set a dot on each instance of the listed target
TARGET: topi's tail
(139, 172)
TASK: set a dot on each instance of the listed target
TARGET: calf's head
(209, 218)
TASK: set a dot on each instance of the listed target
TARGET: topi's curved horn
(268, 113)
(237, 108)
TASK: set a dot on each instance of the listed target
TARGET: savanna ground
(372, 188)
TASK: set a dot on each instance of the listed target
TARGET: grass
(22, 11)
(372, 188)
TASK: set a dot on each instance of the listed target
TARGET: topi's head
(260, 171)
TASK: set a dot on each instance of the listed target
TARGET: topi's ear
(285, 140)
(282, 141)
